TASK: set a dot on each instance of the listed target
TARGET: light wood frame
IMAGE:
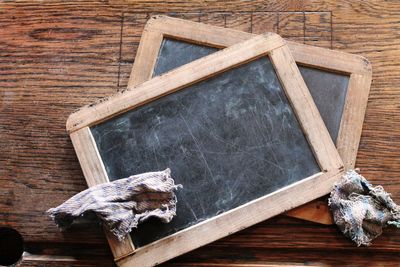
(357, 67)
(260, 209)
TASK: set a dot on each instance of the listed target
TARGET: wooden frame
(312, 187)
(357, 67)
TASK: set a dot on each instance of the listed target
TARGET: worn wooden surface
(55, 57)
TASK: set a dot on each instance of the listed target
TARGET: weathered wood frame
(260, 209)
(357, 67)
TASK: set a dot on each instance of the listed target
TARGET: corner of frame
(367, 66)
(155, 20)
(70, 123)
(268, 36)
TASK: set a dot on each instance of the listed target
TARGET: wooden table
(55, 57)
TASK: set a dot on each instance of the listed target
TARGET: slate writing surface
(228, 140)
(328, 89)
(175, 53)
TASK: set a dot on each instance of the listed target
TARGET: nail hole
(11, 246)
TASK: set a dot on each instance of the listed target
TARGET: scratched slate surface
(228, 140)
(328, 89)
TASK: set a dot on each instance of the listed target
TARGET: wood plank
(255, 257)
(216, 19)
(132, 28)
(291, 26)
(264, 22)
(41, 169)
(239, 21)
(210, 7)
(54, 58)
(318, 29)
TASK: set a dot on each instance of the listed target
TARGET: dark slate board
(328, 89)
(174, 53)
(228, 140)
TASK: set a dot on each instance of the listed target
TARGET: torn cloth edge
(361, 210)
(124, 203)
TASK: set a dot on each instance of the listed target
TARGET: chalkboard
(228, 140)
(239, 130)
(327, 88)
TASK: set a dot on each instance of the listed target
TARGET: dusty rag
(361, 210)
(124, 203)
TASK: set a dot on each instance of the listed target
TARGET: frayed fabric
(361, 210)
(124, 203)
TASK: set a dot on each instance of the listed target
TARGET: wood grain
(292, 26)
(46, 72)
(52, 61)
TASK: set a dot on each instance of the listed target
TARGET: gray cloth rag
(361, 210)
(124, 203)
